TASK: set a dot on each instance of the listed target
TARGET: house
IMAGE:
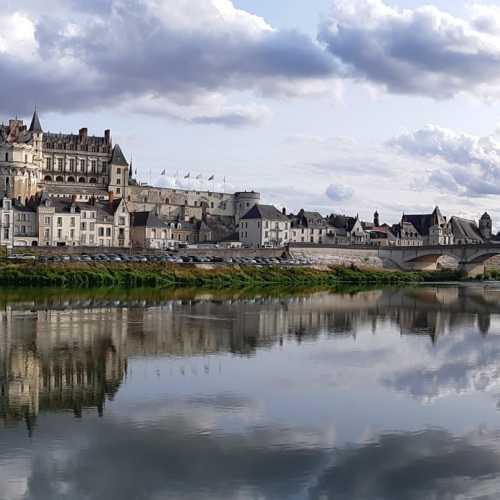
(64, 222)
(264, 226)
(407, 234)
(147, 230)
(308, 227)
(432, 228)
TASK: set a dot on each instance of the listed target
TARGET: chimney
(83, 134)
(73, 198)
(283, 211)
(111, 197)
(107, 136)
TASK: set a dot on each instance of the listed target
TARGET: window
(46, 234)
(72, 165)
(92, 226)
(82, 165)
(60, 164)
(6, 156)
(101, 231)
(119, 171)
(59, 234)
(83, 226)
(121, 221)
(108, 231)
(47, 220)
(93, 166)
(59, 221)
(72, 234)
(118, 191)
(72, 222)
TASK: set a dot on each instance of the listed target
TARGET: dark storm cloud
(423, 51)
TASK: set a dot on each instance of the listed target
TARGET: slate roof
(35, 123)
(118, 158)
(465, 229)
(146, 219)
(423, 222)
(268, 212)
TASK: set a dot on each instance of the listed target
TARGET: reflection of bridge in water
(71, 354)
(470, 258)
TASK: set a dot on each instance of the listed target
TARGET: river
(313, 394)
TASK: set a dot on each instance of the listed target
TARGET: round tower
(243, 202)
(486, 226)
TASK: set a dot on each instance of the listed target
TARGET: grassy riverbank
(156, 275)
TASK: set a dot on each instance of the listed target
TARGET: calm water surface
(381, 394)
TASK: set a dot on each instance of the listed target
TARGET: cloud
(429, 464)
(422, 51)
(468, 164)
(339, 193)
(153, 56)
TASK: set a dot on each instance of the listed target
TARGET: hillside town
(77, 190)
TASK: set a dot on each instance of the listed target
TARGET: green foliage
(82, 275)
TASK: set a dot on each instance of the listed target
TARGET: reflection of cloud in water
(432, 464)
(454, 366)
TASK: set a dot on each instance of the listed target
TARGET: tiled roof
(465, 229)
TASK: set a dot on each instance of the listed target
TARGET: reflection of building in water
(73, 355)
(59, 360)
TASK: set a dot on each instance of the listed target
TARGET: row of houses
(62, 222)
(266, 226)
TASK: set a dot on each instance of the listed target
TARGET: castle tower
(376, 219)
(244, 201)
(485, 226)
(119, 173)
(20, 158)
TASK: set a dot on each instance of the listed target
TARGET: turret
(376, 219)
(485, 226)
(244, 201)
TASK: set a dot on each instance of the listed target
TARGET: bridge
(470, 258)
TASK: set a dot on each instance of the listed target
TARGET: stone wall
(362, 257)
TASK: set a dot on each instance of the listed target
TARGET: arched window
(59, 178)
(93, 180)
(81, 180)
(48, 178)
(71, 179)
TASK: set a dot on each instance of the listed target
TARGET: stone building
(6, 223)
(96, 223)
(264, 226)
(308, 227)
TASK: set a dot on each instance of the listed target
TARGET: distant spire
(35, 123)
(131, 170)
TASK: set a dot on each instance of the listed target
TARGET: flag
(211, 178)
(187, 176)
(198, 177)
(163, 172)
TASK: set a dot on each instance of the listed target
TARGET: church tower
(20, 158)
(485, 226)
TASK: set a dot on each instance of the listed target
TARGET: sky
(340, 106)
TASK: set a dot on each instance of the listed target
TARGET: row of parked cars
(167, 259)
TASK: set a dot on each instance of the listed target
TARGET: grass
(83, 275)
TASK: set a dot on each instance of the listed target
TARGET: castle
(82, 167)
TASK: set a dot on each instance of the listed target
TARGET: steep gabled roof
(265, 212)
(118, 158)
(35, 123)
(421, 222)
(465, 229)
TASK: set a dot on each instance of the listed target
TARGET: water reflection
(357, 395)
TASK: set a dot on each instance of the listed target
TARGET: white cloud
(466, 164)
(337, 192)
(423, 51)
